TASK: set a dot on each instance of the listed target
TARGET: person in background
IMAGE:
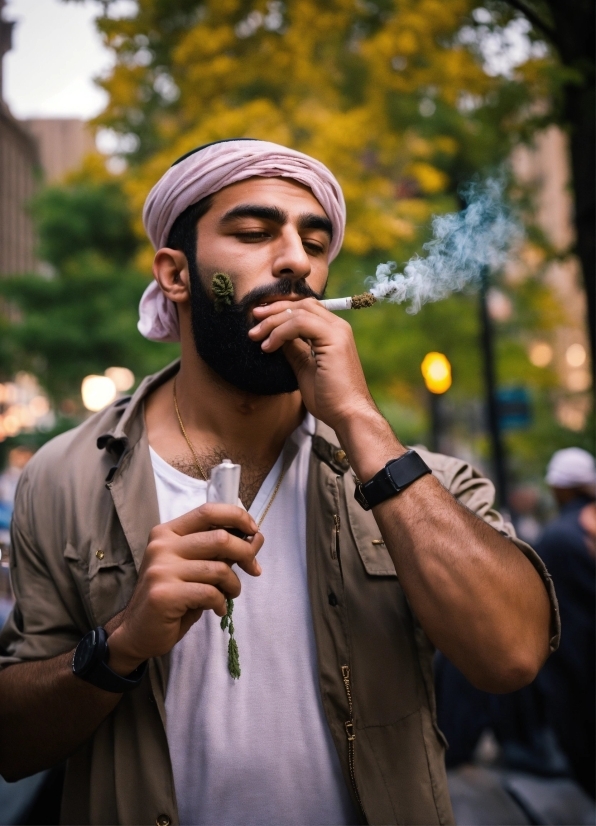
(568, 548)
(17, 459)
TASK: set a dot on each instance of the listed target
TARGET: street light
(436, 371)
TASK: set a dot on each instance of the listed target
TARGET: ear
(170, 270)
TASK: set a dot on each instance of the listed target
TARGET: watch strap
(101, 675)
(391, 480)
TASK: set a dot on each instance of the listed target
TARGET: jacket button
(332, 599)
(99, 554)
(162, 820)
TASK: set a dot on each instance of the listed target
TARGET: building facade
(19, 172)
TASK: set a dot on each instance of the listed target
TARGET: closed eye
(252, 236)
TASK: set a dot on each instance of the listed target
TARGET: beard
(221, 337)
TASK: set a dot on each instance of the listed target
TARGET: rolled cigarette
(335, 304)
(352, 302)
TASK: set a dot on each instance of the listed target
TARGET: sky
(56, 53)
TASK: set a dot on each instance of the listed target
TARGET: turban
(204, 172)
(571, 468)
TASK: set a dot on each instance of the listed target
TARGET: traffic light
(436, 371)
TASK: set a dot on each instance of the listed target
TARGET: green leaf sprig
(233, 658)
(223, 291)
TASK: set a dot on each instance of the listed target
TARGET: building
(19, 174)
(544, 167)
(32, 152)
(62, 145)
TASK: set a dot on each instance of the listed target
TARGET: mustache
(283, 287)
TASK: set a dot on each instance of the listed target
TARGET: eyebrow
(307, 220)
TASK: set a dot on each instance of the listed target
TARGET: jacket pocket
(367, 536)
(105, 580)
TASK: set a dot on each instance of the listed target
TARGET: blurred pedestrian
(17, 459)
(568, 546)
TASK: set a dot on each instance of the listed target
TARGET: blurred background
(406, 101)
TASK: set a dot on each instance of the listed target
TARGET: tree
(568, 28)
(389, 94)
(79, 318)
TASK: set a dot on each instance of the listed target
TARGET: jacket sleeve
(477, 493)
(40, 625)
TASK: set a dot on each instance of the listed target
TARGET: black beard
(221, 337)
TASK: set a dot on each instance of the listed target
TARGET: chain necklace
(184, 433)
(226, 621)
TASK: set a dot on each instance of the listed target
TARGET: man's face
(271, 236)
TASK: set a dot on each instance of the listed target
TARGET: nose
(291, 260)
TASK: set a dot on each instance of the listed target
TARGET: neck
(218, 417)
(240, 421)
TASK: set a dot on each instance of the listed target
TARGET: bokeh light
(122, 377)
(436, 371)
(97, 392)
(540, 354)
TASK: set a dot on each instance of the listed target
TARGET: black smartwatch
(90, 663)
(392, 479)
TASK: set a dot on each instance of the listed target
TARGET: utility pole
(492, 406)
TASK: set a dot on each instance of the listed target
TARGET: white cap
(571, 468)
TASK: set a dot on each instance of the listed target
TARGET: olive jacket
(85, 506)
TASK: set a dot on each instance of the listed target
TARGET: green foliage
(81, 318)
(90, 217)
(389, 94)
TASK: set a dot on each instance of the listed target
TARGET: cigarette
(351, 302)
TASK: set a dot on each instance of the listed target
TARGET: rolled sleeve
(477, 493)
(40, 625)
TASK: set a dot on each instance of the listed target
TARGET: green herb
(233, 658)
(223, 291)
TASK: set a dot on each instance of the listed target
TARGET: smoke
(463, 244)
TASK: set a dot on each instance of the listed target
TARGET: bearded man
(114, 657)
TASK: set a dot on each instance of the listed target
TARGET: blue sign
(513, 404)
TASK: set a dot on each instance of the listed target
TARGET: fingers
(221, 545)
(199, 596)
(216, 573)
(276, 307)
(297, 322)
(211, 515)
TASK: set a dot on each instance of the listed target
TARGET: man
(568, 547)
(332, 719)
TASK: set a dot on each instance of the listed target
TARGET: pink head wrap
(205, 172)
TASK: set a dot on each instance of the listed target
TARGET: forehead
(293, 197)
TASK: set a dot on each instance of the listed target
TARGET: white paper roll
(335, 304)
(224, 483)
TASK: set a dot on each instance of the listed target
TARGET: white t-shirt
(255, 750)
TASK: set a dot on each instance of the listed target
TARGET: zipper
(337, 523)
(350, 732)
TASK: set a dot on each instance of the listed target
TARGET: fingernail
(255, 329)
(265, 345)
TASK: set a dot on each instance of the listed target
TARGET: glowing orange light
(436, 371)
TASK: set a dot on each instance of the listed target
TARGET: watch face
(83, 658)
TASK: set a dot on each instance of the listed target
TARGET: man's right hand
(186, 570)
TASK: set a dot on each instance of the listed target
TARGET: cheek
(317, 279)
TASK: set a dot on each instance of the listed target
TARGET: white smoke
(463, 244)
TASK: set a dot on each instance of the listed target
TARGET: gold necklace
(188, 442)
(204, 475)
(226, 621)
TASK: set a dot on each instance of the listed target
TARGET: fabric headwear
(205, 172)
(571, 468)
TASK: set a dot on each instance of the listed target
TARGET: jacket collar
(130, 426)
